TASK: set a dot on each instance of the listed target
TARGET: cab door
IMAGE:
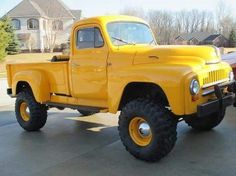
(88, 64)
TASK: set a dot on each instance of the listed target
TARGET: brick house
(202, 38)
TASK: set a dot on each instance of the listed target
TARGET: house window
(57, 25)
(89, 38)
(33, 24)
(16, 24)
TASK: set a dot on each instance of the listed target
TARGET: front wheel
(206, 123)
(30, 114)
(147, 130)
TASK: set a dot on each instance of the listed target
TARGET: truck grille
(214, 76)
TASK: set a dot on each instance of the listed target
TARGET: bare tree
(194, 21)
(207, 24)
(31, 44)
(138, 12)
(51, 32)
(52, 25)
(225, 22)
(168, 25)
(161, 23)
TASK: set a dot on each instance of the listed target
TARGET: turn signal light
(195, 97)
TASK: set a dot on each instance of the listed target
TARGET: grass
(3, 75)
(227, 50)
(23, 58)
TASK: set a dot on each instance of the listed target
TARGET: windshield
(130, 33)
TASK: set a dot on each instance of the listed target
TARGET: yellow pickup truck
(116, 65)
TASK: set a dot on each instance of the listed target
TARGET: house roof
(200, 36)
(212, 37)
(25, 8)
(76, 13)
(43, 8)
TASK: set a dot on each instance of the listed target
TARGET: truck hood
(184, 55)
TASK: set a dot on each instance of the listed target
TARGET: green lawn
(3, 75)
(226, 50)
(22, 58)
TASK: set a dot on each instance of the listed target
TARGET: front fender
(37, 81)
(170, 79)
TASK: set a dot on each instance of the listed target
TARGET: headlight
(231, 76)
(194, 87)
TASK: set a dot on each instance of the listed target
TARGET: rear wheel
(206, 123)
(30, 114)
(147, 130)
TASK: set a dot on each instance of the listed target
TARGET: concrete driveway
(4, 98)
(71, 145)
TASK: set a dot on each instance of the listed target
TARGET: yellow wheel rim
(140, 131)
(24, 112)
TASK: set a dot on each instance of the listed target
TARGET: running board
(76, 107)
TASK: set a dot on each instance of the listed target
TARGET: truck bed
(56, 73)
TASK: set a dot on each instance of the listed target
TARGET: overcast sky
(102, 7)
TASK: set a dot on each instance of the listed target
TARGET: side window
(99, 42)
(89, 38)
(85, 38)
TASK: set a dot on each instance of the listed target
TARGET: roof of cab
(108, 19)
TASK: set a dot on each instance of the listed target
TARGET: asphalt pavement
(72, 145)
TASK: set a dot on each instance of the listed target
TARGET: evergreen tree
(232, 38)
(14, 45)
(4, 40)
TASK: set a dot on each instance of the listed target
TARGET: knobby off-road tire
(206, 123)
(162, 125)
(36, 117)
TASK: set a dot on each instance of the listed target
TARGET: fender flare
(37, 81)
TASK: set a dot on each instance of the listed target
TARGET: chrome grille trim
(214, 83)
(214, 76)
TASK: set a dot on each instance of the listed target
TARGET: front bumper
(223, 100)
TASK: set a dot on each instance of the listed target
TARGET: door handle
(153, 57)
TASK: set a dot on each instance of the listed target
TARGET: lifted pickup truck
(116, 65)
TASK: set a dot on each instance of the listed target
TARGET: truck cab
(116, 65)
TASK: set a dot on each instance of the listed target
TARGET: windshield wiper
(123, 41)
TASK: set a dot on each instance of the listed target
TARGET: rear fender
(38, 82)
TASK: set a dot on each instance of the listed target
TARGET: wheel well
(143, 90)
(22, 85)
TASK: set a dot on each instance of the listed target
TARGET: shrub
(13, 45)
(4, 40)
(232, 38)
